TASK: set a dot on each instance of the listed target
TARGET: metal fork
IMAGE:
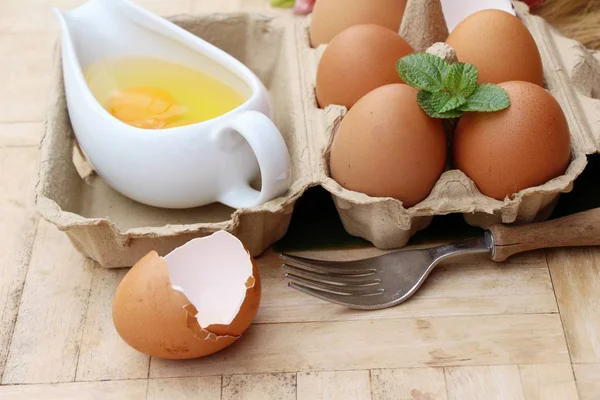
(388, 280)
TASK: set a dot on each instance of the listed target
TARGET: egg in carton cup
(571, 75)
(117, 232)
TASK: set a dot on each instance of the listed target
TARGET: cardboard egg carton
(116, 231)
(570, 73)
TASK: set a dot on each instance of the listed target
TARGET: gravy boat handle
(272, 155)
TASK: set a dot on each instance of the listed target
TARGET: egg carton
(572, 75)
(116, 231)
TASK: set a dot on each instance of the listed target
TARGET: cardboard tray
(570, 75)
(116, 231)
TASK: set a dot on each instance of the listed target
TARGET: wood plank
(588, 380)
(498, 382)
(452, 290)
(103, 354)
(48, 330)
(32, 16)
(208, 388)
(20, 134)
(576, 277)
(548, 382)
(130, 390)
(27, 46)
(166, 8)
(37, 17)
(25, 86)
(413, 383)
(18, 171)
(25, 74)
(329, 346)
(344, 385)
(259, 387)
(207, 6)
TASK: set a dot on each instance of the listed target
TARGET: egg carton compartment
(116, 231)
(387, 224)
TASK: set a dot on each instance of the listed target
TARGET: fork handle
(581, 229)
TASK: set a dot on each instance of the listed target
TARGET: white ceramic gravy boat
(182, 167)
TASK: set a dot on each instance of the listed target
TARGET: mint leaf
(439, 104)
(486, 98)
(449, 90)
(461, 79)
(423, 71)
(283, 3)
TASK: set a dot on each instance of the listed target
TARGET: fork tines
(328, 281)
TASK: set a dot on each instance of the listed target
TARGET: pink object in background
(304, 6)
(533, 4)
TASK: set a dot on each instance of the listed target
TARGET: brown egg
(500, 47)
(157, 320)
(386, 146)
(358, 60)
(330, 17)
(523, 146)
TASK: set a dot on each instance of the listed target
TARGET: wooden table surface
(528, 329)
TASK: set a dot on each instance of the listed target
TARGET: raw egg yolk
(146, 107)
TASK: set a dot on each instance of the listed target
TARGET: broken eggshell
(195, 301)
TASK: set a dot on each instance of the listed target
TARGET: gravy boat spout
(214, 160)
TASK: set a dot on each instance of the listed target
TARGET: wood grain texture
(103, 354)
(17, 229)
(25, 74)
(522, 287)
(588, 380)
(410, 384)
(47, 334)
(21, 134)
(32, 16)
(355, 385)
(581, 229)
(472, 318)
(167, 8)
(130, 390)
(207, 6)
(259, 387)
(25, 89)
(421, 342)
(208, 388)
(548, 382)
(497, 382)
(17, 47)
(576, 277)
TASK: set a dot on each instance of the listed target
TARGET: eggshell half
(194, 302)
(208, 270)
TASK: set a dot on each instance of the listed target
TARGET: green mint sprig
(449, 90)
(282, 3)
